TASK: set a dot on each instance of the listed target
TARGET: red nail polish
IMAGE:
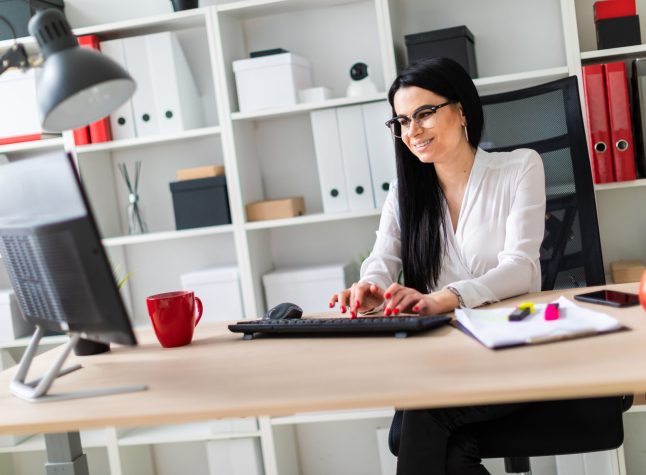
(353, 315)
(388, 312)
(396, 311)
(387, 295)
(331, 304)
(416, 309)
(342, 309)
(356, 304)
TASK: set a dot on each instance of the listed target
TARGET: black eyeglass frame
(394, 122)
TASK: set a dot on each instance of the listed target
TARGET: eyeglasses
(424, 117)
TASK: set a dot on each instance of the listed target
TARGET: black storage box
(456, 43)
(618, 32)
(201, 202)
(19, 12)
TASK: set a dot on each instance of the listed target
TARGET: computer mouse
(283, 311)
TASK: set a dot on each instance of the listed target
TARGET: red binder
(594, 88)
(99, 131)
(621, 133)
(82, 136)
(613, 9)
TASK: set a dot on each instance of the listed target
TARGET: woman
(465, 227)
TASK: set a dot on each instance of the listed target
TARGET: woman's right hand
(361, 297)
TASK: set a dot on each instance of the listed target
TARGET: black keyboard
(397, 326)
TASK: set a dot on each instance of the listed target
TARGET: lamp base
(89, 347)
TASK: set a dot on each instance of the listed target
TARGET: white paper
(493, 329)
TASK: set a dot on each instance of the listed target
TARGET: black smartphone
(610, 297)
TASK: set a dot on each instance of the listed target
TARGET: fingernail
(387, 295)
(331, 304)
(415, 308)
(342, 309)
(388, 312)
(396, 311)
(353, 315)
(356, 304)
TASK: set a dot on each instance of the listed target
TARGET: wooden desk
(220, 375)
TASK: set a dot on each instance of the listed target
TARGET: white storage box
(12, 324)
(6, 322)
(308, 287)
(270, 81)
(219, 290)
(235, 456)
(235, 425)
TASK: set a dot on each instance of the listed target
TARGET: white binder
(355, 158)
(122, 121)
(381, 150)
(178, 102)
(329, 160)
(19, 108)
(143, 100)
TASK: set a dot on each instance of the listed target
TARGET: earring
(466, 133)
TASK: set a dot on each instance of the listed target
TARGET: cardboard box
(270, 81)
(219, 290)
(627, 271)
(201, 202)
(618, 32)
(200, 172)
(456, 43)
(276, 209)
(308, 287)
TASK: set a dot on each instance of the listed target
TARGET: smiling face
(439, 143)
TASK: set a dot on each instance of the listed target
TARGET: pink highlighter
(552, 311)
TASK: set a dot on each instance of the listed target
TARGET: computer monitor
(50, 245)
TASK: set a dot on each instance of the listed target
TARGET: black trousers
(440, 442)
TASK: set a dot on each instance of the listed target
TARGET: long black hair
(421, 202)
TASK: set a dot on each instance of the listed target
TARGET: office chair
(548, 119)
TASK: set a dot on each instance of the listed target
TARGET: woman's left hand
(401, 299)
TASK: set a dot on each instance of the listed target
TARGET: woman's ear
(463, 118)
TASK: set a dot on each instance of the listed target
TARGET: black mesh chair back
(548, 119)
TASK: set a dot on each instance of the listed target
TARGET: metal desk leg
(65, 455)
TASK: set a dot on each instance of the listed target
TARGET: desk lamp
(78, 85)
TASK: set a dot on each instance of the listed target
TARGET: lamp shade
(78, 85)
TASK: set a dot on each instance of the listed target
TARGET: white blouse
(494, 252)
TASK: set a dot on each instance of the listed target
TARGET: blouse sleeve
(384, 263)
(518, 260)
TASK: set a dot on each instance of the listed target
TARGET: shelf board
(620, 184)
(307, 107)
(167, 235)
(508, 82)
(624, 51)
(336, 416)
(311, 219)
(255, 8)
(144, 141)
(24, 341)
(193, 432)
(174, 21)
(36, 443)
(34, 145)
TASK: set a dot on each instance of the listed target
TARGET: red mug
(174, 316)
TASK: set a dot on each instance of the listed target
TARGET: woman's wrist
(457, 295)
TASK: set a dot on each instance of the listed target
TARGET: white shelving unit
(270, 154)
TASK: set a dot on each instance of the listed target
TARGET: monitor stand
(36, 391)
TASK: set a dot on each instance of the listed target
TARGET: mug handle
(199, 306)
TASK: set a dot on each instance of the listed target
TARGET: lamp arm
(16, 57)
